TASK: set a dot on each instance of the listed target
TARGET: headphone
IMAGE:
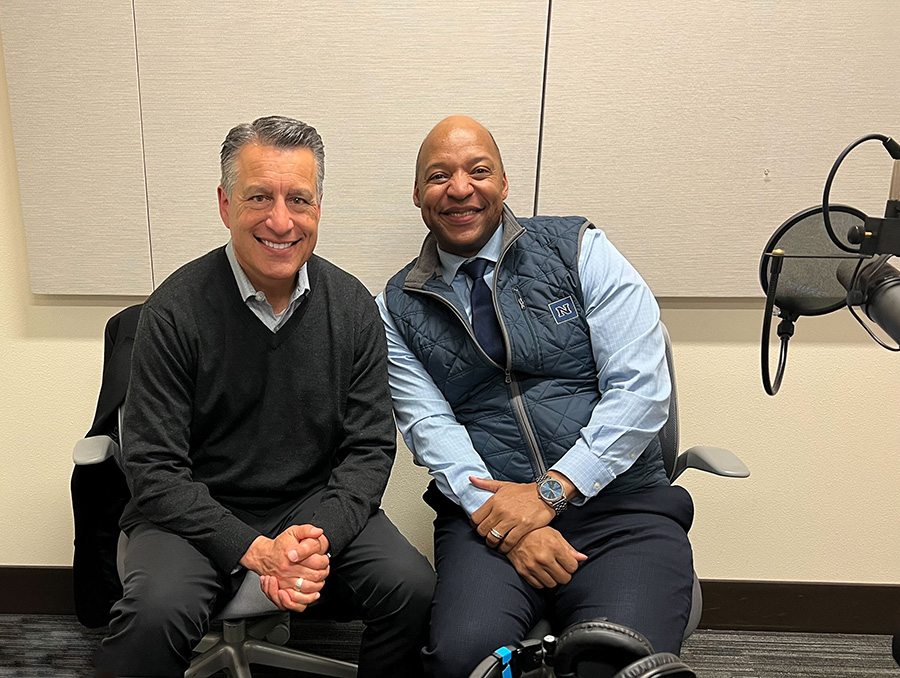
(591, 649)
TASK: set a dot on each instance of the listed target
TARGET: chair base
(236, 647)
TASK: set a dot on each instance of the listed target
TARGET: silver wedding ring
(497, 535)
(298, 583)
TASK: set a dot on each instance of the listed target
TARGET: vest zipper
(518, 406)
(522, 415)
(500, 322)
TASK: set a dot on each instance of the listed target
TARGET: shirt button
(260, 296)
(596, 486)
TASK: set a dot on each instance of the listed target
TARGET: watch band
(558, 505)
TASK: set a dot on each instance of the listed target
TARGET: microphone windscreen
(809, 285)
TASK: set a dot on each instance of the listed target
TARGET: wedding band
(498, 535)
(298, 583)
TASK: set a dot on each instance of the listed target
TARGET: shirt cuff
(585, 469)
(472, 498)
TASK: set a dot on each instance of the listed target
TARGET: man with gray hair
(258, 432)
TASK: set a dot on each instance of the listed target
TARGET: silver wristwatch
(552, 492)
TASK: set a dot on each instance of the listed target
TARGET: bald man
(527, 369)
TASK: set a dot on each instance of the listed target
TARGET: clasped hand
(540, 554)
(296, 555)
(544, 558)
(514, 510)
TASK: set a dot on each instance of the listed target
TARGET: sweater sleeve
(366, 453)
(156, 444)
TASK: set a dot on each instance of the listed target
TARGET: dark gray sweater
(224, 414)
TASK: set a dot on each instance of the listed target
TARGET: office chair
(714, 460)
(254, 630)
(895, 647)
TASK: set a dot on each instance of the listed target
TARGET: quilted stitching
(552, 362)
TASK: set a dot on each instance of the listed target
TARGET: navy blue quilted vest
(522, 416)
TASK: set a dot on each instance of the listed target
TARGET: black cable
(888, 143)
(785, 328)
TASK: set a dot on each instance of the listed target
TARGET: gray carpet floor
(42, 646)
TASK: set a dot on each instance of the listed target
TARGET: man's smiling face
(273, 214)
(460, 185)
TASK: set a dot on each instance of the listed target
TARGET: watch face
(551, 489)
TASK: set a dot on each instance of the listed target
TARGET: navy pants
(639, 573)
(172, 591)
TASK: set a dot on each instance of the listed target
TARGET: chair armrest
(93, 450)
(712, 460)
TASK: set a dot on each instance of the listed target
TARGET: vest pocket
(539, 358)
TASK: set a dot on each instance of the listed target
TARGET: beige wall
(50, 358)
(822, 504)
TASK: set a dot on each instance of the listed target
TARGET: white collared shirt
(256, 299)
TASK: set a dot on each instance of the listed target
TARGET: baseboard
(727, 604)
(800, 606)
(36, 590)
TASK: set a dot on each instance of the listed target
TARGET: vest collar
(428, 264)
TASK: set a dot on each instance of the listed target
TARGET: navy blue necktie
(484, 319)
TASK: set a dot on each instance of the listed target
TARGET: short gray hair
(272, 130)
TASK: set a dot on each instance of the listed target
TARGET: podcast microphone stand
(874, 237)
(878, 236)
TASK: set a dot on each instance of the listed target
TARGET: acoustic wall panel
(372, 77)
(73, 97)
(691, 130)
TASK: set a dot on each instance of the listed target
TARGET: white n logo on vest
(563, 310)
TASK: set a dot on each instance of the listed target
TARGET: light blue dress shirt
(629, 356)
(257, 301)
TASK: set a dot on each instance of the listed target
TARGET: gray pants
(172, 591)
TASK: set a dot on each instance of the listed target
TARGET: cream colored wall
(715, 121)
(50, 358)
(822, 504)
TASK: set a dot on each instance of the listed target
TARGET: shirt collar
(450, 263)
(246, 287)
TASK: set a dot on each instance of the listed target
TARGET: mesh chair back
(668, 435)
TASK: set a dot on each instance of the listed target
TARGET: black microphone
(879, 284)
